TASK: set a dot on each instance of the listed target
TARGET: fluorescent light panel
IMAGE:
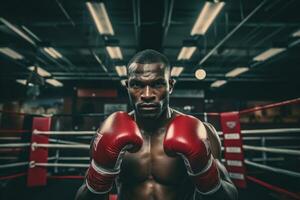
(100, 17)
(121, 70)
(176, 71)
(52, 52)
(21, 81)
(11, 53)
(114, 52)
(54, 82)
(237, 71)
(17, 31)
(218, 83)
(296, 34)
(206, 17)
(268, 54)
(186, 53)
(40, 71)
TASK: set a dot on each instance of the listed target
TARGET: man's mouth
(148, 106)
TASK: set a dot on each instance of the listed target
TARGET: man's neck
(153, 124)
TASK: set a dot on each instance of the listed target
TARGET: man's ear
(171, 83)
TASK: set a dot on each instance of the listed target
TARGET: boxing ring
(39, 154)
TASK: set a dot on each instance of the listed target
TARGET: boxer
(155, 152)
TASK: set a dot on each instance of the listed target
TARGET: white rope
(271, 131)
(76, 165)
(272, 150)
(13, 165)
(271, 138)
(267, 131)
(64, 141)
(62, 146)
(69, 158)
(13, 145)
(273, 169)
(268, 159)
(64, 132)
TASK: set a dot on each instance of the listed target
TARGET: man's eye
(159, 85)
(135, 85)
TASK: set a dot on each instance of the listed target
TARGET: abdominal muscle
(152, 175)
(149, 190)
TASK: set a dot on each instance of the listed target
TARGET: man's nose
(147, 94)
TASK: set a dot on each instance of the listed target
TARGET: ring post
(233, 148)
(37, 176)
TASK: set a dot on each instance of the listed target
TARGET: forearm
(84, 194)
(227, 191)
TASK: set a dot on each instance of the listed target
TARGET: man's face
(149, 86)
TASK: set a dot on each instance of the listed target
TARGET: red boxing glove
(187, 136)
(118, 134)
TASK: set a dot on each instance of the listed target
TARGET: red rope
(292, 101)
(274, 188)
(13, 176)
(66, 177)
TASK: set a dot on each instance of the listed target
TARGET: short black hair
(148, 56)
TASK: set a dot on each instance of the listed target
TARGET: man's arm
(227, 189)
(83, 192)
(119, 133)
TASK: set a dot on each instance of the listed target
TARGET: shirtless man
(155, 152)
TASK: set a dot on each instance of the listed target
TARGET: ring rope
(273, 169)
(64, 141)
(279, 130)
(12, 145)
(13, 165)
(12, 176)
(69, 158)
(62, 146)
(77, 165)
(257, 108)
(274, 188)
(272, 150)
(63, 132)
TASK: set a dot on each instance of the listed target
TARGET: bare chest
(151, 163)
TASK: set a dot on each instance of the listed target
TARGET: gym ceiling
(259, 39)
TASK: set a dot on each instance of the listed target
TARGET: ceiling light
(17, 31)
(21, 81)
(11, 53)
(186, 53)
(200, 74)
(296, 34)
(218, 83)
(237, 71)
(54, 82)
(40, 71)
(121, 70)
(52, 52)
(176, 71)
(100, 17)
(206, 17)
(114, 52)
(268, 54)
